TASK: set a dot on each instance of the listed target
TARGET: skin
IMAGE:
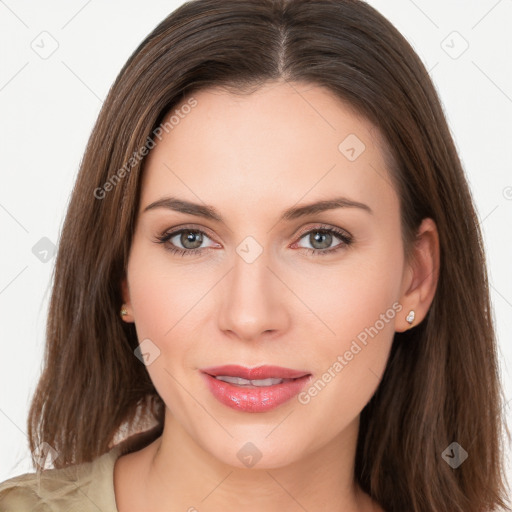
(252, 157)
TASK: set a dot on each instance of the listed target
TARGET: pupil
(188, 237)
(317, 238)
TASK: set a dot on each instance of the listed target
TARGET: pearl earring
(123, 311)
(410, 317)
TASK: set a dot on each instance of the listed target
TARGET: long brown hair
(441, 384)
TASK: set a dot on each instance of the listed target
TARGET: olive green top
(78, 488)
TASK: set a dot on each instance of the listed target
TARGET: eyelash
(346, 240)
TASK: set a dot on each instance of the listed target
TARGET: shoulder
(19, 494)
(87, 486)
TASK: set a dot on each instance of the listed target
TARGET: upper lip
(256, 373)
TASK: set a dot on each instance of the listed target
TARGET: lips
(258, 389)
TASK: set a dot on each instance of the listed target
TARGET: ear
(125, 291)
(420, 276)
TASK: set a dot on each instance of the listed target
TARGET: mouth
(258, 389)
(239, 381)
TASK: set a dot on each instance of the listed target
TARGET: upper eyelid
(171, 233)
(324, 227)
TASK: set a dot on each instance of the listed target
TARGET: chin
(256, 450)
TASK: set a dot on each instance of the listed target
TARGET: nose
(253, 301)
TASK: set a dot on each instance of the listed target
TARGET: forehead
(282, 142)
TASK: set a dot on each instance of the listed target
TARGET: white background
(48, 108)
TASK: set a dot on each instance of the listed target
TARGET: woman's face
(262, 281)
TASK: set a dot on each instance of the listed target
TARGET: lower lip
(255, 399)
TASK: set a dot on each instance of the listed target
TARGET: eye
(188, 241)
(185, 241)
(321, 239)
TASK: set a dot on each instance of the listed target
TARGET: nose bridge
(251, 303)
(250, 272)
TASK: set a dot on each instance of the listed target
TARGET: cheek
(162, 298)
(355, 295)
(164, 295)
(360, 304)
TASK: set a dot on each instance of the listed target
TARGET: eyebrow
(209, 212)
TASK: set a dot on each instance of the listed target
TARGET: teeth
(233, 380)
(266, 382)
(238, 381)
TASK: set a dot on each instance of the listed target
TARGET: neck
(175, 473)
